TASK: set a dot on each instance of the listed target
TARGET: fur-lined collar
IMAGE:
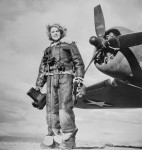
(63, 40)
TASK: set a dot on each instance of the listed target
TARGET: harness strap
(60, 72)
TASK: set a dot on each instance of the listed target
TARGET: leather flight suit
(59, 102)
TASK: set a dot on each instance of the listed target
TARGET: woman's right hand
(37, 88)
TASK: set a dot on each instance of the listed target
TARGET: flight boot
(66, 140)
(49, 143)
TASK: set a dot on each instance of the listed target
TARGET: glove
(79, 87)
(38, 88)
(79, 81)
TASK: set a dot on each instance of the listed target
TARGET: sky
(22, 42)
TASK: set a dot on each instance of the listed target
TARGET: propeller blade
(99, 21)
(91, 60)
(129, 40)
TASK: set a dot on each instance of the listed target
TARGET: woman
(60, 64)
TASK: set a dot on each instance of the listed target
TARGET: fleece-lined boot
(66, 140)
(49, 143)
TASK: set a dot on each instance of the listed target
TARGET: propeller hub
(95, 41)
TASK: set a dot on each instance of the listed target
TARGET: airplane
(118, 54)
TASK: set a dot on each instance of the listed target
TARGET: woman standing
(60, 65)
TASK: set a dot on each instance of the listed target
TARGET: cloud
(123, 13)
(13, 103)
(18, 8)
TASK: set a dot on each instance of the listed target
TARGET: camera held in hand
(39, 98)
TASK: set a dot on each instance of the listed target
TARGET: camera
(39, 98)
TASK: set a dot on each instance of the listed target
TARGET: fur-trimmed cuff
(78, 79)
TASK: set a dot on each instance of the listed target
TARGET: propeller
(121, 41)
(98, 41)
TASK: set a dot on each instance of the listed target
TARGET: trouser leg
(66, 114)
(52, 106)
(67, 118)
(52, 114)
